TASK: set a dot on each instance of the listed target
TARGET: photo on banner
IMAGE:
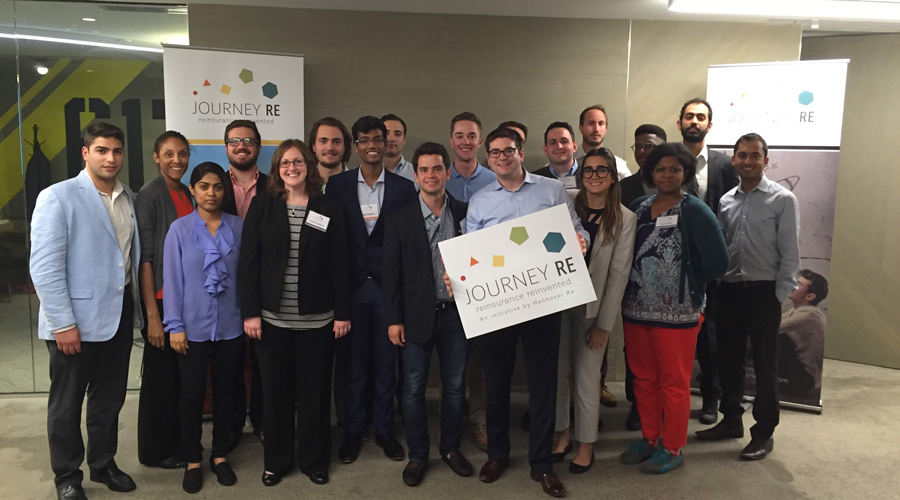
(797, 107)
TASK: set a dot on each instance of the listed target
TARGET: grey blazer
(155, 212)
(609, 269)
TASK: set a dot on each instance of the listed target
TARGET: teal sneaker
(637, 452)
(662, 461)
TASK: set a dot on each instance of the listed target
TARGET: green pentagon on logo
(554, 242)
(246, 76)
(270, 90)
(805, 98)
(518, 235)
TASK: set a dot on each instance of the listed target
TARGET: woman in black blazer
(294, 282)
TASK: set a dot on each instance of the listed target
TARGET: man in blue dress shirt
(467, 176)
(515, 193)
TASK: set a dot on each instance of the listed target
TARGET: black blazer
(366, 249)
(230, 206)
(720, 180)
(544, 172)
(632, 188)
(324, 278)
(408, 281)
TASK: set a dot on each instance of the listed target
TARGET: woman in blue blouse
(679, 247)
(203, 318)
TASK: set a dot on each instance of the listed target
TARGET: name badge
(370, 211)
(569, 182)
(317, 221)
(667, 221)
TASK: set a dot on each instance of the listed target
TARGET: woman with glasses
(584, 332)
(295, 301)
(202, 317)
(157, 205)
(679, 247)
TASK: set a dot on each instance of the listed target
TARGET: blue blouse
(200, 279)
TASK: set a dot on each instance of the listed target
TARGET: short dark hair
(518, 125)
(102, 129)
(598, 107)
(564, 125)
(503, 133)
(648, 128)
(391, 116)
(685, 158)
(314, 182)
(818, 285)
(330, 121)
(465, 116)
(753, 137)
(244, 124)
(367, 124)
(696, 100)
(430, 148)
(208, 167)
(170, 134)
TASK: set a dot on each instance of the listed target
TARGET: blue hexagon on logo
(270, 90)
(805, 98)
(554, 242)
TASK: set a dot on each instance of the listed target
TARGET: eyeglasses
(495, 153)
(364, 141)
(647, 146)
(600, 172)
(297, 162)
(236, 141)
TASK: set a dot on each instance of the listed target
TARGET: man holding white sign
(516, 193)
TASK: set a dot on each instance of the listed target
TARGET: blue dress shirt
(462, 189)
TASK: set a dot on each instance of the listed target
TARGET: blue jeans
(452, 347)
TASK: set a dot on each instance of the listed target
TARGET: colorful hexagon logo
(805, 98)
(554, 242)
(518, 235)
(246, 76)
(270, 90)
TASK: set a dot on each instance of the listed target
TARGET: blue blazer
(367, 249)
(76, 264)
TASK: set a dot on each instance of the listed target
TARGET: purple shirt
(200, 279)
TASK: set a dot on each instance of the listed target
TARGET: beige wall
(863, 314)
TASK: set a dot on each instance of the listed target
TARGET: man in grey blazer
(715, 177)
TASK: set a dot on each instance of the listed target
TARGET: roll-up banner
(798, 108)
(206, 89)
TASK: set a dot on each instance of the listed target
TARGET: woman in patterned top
(295, 301)
(678, 248)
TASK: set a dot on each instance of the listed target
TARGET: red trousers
(662, 360)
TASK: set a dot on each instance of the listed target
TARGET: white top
(123, 222)
(702, 172)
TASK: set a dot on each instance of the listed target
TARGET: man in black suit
(420, 312)
(715, 177)
(560, 148)
(366, 195)
(646, 137)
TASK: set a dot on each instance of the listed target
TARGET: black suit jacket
(408, 280)
(632, 188)
(544, 172)
(366, 249)
(720, 180)
(230, 206)
(323, 274)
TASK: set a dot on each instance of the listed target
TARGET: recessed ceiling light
(88, 19)
(815, 26)
(42, 70)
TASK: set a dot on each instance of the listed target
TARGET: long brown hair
(314, 182)
(611, 221)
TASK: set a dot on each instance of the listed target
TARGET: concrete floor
(847, 452)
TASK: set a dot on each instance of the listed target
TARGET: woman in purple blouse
(203, 319)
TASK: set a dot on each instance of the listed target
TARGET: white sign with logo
(516, 271)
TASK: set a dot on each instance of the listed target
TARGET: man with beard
(242, 146)
(467, 176)
(393, 154)
(715, 177)
(592, 124)
(330, 142)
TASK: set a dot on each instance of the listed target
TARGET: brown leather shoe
(551, 484)
(479, 432)
(491, 470)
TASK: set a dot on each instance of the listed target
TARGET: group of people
(335, 276)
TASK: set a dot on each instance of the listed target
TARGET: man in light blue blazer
(84, 265)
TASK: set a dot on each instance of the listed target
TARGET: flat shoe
(193, 480)
(580, 469)
(224, 475)
(270, 478)
(559, 457)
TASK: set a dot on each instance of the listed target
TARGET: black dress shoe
(633, 422)
(458, 463)
(71, 492)
(709, 414)
(349, 450)
(173, 462)
(224, 474)
(580, 469)
(758, 449)
(491, 470)
(413, 473)
(193, 480)
(392, 448)
(271, 478)
(559, 457)
(550, 484)
(318, 477)
(726, 429)
(113, 478)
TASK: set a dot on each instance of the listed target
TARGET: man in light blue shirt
(467, 176)
(761, 222)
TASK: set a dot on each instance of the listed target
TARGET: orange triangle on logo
(472, 262)
(206, 83)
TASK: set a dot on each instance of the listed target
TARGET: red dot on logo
(731, 104)
(195, 92)
(462, 278)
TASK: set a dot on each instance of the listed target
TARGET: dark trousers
(296, 368)
(369, 343)
(224, 358)
(752, 312)
(540, 343)
(159, 431)
(101, 370)
(253, 393)
(629, 379)
(707, 350)
(449, 339)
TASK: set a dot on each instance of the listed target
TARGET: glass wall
(62, 66)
